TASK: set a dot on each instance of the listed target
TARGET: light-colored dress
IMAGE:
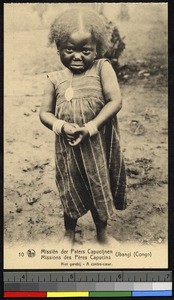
(93, 172)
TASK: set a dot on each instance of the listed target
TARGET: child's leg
(100, 226)
(70, 225)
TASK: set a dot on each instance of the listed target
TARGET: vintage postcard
(85, 139)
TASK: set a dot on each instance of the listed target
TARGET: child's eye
(86, 51)
(69, 50)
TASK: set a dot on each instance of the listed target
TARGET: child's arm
(113, 104)
(47, 109)
(111, 93)
(47, 112)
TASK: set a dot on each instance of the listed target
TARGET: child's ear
(58, 51)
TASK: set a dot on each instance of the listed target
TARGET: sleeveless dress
(91, 174)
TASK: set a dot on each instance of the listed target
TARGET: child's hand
(68, 131)
(80, 134)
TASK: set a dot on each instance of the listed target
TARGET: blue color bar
(151, 293)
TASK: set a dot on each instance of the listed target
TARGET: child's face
(78, 52)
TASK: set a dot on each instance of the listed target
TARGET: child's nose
(77, 55)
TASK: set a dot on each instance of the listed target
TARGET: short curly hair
(72, 20)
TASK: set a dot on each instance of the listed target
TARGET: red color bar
(25, 294)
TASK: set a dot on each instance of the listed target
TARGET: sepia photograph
(85, 135)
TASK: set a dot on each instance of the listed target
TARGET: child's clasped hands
(74, 133)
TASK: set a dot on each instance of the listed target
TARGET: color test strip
(67, 294)
(87, 294)
(25, 295)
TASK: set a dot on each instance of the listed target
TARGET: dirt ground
(32, 208)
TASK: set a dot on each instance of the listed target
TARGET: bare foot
(102, 236)
(69, 237)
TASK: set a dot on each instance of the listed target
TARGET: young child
(80, 105)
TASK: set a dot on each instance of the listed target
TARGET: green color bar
(110, 294)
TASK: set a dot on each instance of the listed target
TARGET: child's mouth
(77, 66)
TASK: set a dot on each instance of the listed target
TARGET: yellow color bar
(67, 294)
